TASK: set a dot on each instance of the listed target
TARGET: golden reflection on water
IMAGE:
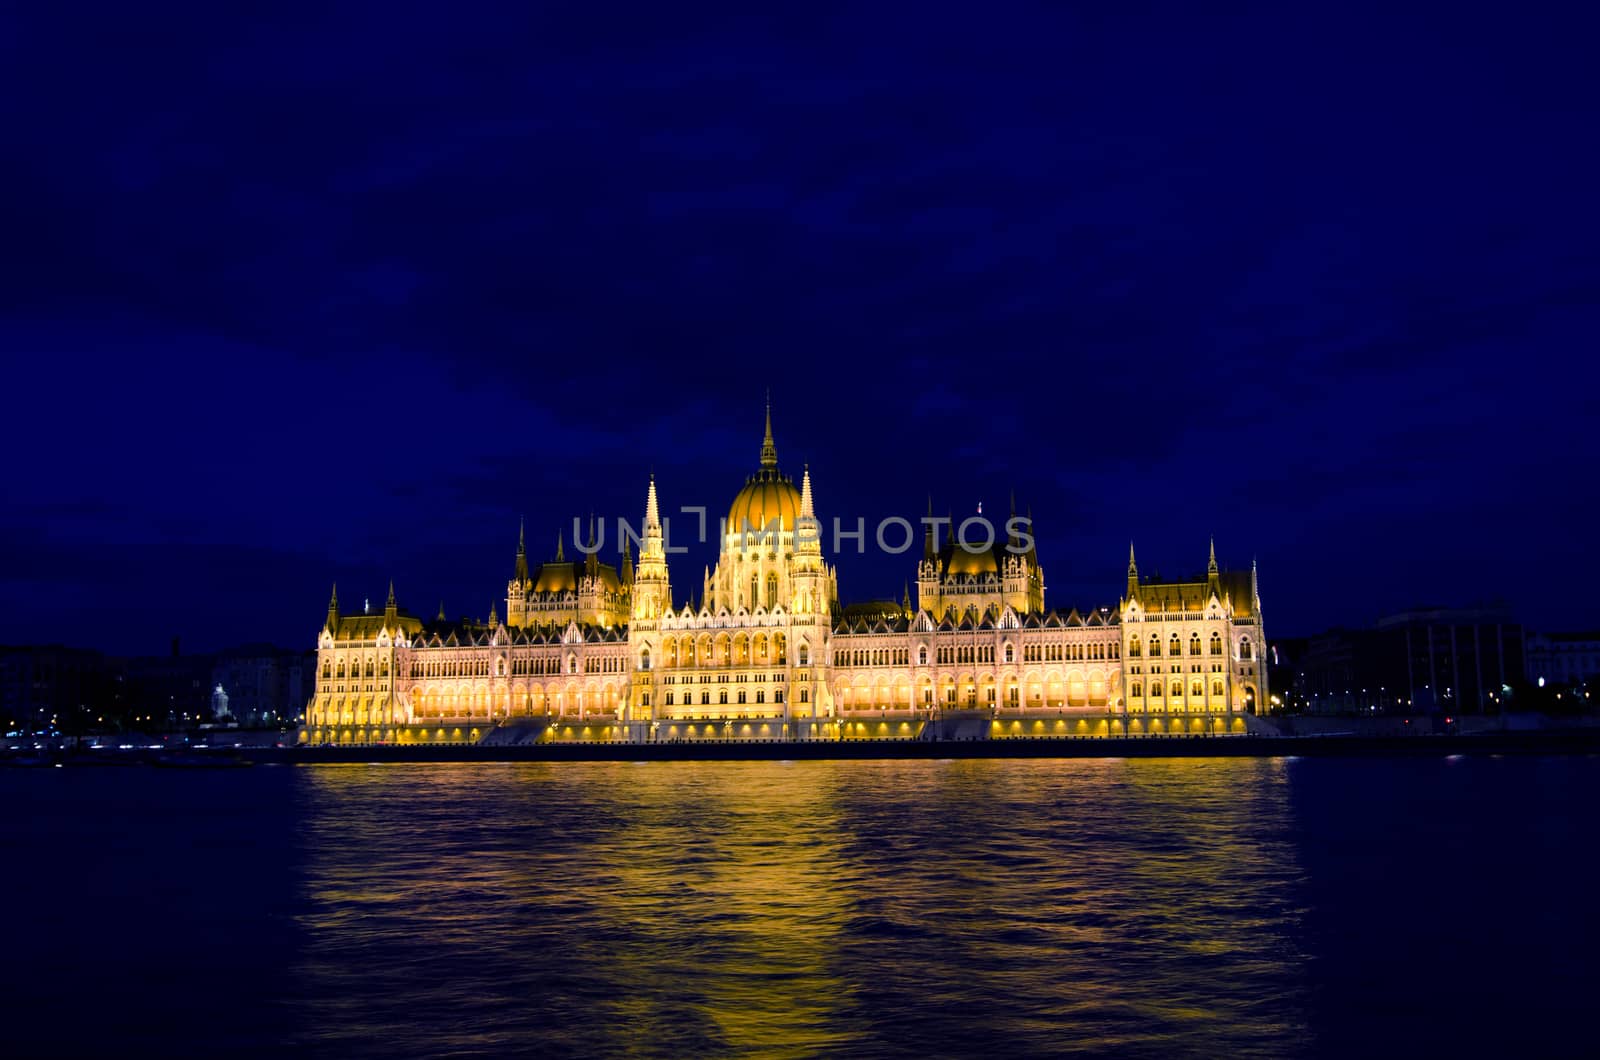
(792, 909)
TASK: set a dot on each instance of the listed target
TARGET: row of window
(735, 653)
(872, 657)
(1196, 690)
(712, 679)
(337, 673)
(722, 697)
(1175, 646)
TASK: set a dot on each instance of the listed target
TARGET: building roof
(1233, 586)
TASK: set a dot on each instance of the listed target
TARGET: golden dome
(765, 497)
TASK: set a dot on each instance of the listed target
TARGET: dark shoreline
(1585, 741)
(1569, 741)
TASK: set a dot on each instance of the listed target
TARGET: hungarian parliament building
(594, 651)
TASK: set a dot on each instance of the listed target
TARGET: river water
(903, 908)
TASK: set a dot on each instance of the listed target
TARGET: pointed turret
(652, 593)
(441, 616)
(591, 559)
(627, 562)
(927, 534)
(806, 511)
(769, 451)
(1133, 573)
(521, 572)
(905, 598)
(389, 606)
(333, 609)
(1213, 576)
(561, 552)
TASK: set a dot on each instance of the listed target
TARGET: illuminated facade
(592, 651)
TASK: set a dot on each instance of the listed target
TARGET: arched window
(1175, 649)
(1216, 644)
(922, 656)
(772, 591)
(1155, 646)
(572, 664)
(1177, 689)
(1010, 653)
(1138, 689)
(1244, 649)
(1133, 648)
(1216, 688)
(805, 656)
(1194, 644)
(644, 658)
(755, 595)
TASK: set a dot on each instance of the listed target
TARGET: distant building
(1421, 661)
(1564, 658)
(42, 686)
(265, 685)
(172, 689)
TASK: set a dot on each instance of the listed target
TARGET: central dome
(766, 496)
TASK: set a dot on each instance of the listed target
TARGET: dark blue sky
(316, 295)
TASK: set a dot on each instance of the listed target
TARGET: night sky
(312, 296)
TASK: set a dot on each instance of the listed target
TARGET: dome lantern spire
(769, 451)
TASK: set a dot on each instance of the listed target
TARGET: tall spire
(769, 451)
(333, 609)
(390, 606)
(521, 572)
(1133, 573)
(927, 533)
(561, 552)
(441, 612)
(1211, 565)
(652, 514)
(806, 511)
(626, 569)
